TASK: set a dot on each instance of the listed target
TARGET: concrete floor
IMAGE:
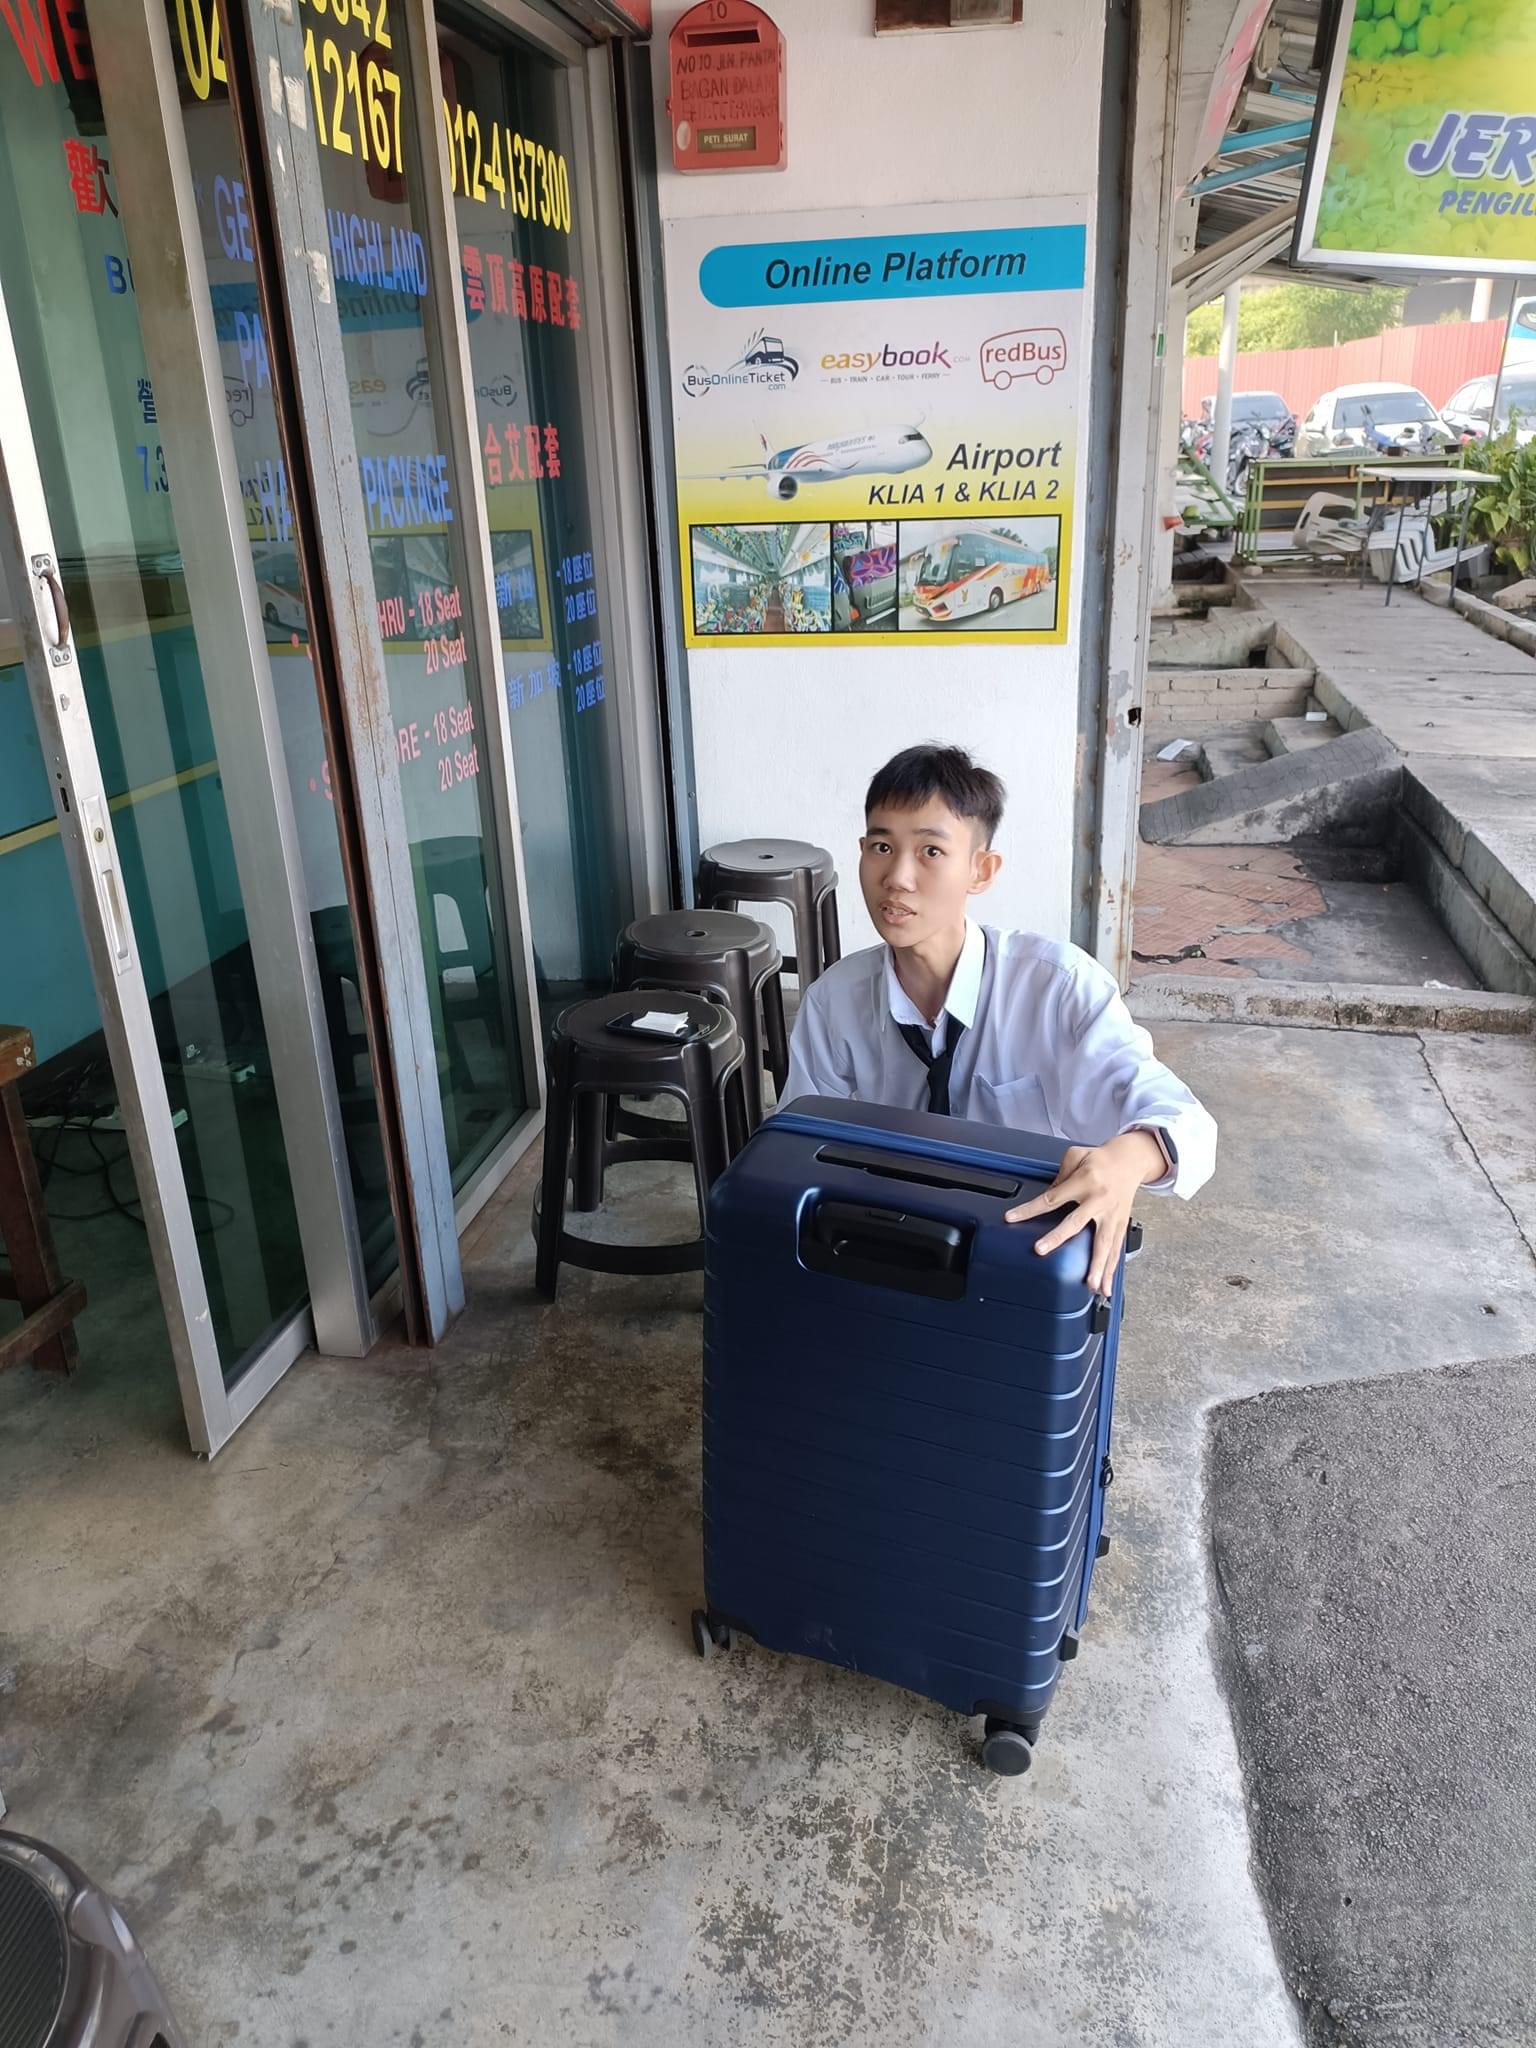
(387, 1729)
(1240, 913)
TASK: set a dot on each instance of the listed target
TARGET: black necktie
(937, 1063)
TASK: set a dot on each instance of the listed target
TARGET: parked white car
(1387, 419)
(1469, 413)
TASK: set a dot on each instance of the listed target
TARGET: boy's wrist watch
(1170, 1164)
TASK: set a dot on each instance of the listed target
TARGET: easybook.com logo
(933, 356)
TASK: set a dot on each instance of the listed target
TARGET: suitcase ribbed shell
(904, 1483)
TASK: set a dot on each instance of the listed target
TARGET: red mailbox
(726, 103)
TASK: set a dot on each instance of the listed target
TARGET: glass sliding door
(70, 1101)
(90, 412)
(378, 283)
(229, 234)
(415, 516)
(519, 190)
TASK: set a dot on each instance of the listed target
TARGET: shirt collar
(964, 984)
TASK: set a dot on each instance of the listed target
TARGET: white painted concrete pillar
(1169, 496)
(1226, 370)
(1482, 299)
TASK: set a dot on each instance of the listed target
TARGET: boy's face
(918, 868)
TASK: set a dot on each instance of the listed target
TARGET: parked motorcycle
(1249, 444)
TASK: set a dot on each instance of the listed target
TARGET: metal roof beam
(1261, 138)
(1206, 273)
(1244, 174)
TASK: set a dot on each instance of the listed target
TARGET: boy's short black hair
(919, 773)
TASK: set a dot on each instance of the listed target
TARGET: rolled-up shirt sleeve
(1114, 1082)
(814, 1065)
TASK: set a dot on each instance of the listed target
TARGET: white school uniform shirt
(1048, 1046)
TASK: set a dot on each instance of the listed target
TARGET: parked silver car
(1469, 412)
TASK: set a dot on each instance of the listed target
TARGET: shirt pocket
(1019, 1105)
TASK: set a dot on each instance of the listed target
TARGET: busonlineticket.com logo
(764, 364)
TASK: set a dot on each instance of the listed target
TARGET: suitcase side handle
(886, 1248)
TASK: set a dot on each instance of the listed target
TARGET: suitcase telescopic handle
(887, 1248)
(1021, 1153)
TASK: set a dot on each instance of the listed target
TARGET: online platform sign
(1424, 157)
(876, 422)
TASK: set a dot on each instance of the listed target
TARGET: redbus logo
(1038, 352)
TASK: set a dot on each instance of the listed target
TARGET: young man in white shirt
(1003, 1027)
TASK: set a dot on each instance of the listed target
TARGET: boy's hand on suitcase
(1100, 1182)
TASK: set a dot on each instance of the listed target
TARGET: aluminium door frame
(265, 58)
(83, 810)
(620, 500)
(641, 826)
(636, 154)
(141, 102)
(613, 444)
(452, 379)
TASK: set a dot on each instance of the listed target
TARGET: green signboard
(1424, 155)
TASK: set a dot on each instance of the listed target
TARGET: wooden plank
(17, 1054)
(45, 1331)
(27, 1235)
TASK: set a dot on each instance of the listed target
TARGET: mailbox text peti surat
(356, 96)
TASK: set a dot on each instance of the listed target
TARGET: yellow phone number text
(523, 176)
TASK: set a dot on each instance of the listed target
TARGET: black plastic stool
(589, 1063)
(788, 871)
(71, 1973)
(727, 959)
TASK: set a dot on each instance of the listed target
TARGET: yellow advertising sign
(876, 424)
(1425, 152)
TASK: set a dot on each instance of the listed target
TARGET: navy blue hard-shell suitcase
(906, 1410)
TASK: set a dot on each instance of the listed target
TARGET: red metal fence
(1438, 360)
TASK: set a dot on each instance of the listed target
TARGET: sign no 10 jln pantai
(1424, 156)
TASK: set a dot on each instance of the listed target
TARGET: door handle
(43, 570)
(117, 923)
(114, 912)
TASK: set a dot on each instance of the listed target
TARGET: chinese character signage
(1424, 156)
(876, 423)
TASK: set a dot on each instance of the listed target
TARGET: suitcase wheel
(709, 1634)
(1006, 1749)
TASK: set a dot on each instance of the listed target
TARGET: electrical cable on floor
(63, 1105)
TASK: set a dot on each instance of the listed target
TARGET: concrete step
(1329, 1005)
(1496, 857)
(1226, 753)
(1293, 735)
(1460, 709)
(1183, 598)
(1481, 937)
(1227, 639)
(1343, 793)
